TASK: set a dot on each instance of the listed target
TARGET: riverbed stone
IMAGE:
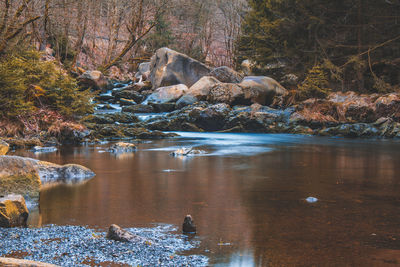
(122, 147)
(140, 108)
(10, 262)
(201, 89)
(4, 147)
(13, 211)
(188, 226)
(116, 233)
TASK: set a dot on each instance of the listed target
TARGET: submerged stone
(188, 226)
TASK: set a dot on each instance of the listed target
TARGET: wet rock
(163, 107)
(128, 94)
(167, 94)
(351, 130)
(25, 175)
(13, 211)
(116, 233)
(126, 102)
(104, 98)
(261, 89)
(188, 226)
(226, 75)
(40, 149)
(186, 100)
(121, 117)
(95, 80)
(10, 262)
(169, 67)
(16, 143)
(122, 147)
(4, 147)
(187, 151)
(141, 108)
(211, 118)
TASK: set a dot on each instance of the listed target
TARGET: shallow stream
(257, 199)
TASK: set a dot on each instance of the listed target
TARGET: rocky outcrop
(229, 93)
(226, 75)
(94, 79)
(261, 89)
(26, 176)
(10, 262)
(13, 211)
(201, 89)
(4, 147)
(169, 67)
(116, 233)
(166, 94)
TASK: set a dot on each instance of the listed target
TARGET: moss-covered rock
(13, 211)
(19, 176)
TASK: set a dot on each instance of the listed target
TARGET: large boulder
(13, 211)
(169, 67)
(94, 79)
(261, 89)
(4, 147)
(229, 93)
(226, 75)
(25, 176)
(167, 94)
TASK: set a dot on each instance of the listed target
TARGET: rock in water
(187, 151)
(169, 67)
(118, 234)
(13, 211)
(122, 147)
(40, 149)
(4, 147)
(25, 175)
(188, 226)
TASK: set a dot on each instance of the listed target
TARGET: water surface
(248, 196)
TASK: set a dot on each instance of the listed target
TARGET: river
(257, 199)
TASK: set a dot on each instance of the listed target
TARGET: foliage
(315, 85)
(27, 84)
(359, 38)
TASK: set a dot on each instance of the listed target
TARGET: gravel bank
(81, 246)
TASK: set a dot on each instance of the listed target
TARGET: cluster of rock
(196, 97)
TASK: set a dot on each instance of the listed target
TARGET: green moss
(24, 184)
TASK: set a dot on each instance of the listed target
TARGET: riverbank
(81, 246)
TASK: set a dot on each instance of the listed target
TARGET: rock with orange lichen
(13, 211)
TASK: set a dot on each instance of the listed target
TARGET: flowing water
(257, 200)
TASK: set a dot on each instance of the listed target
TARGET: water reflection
(254, 202)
